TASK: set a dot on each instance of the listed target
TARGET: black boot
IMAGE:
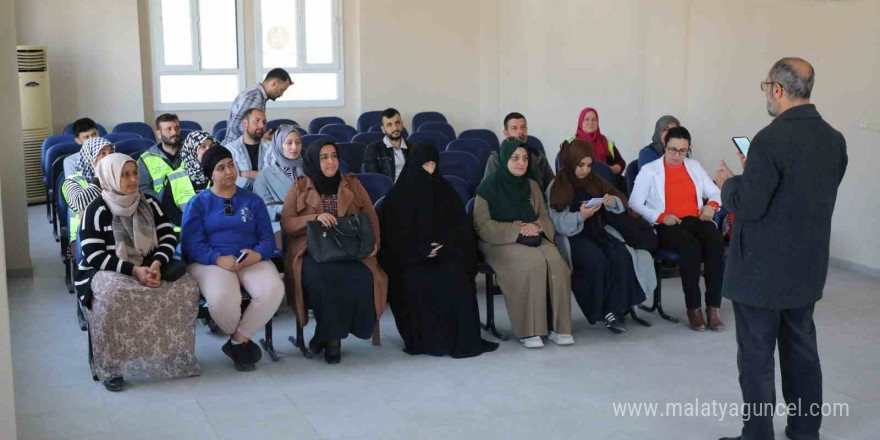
(333, 351)
(316, 346)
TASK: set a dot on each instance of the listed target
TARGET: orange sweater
(681, 194)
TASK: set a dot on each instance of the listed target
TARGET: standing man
(515, 126)
(249, 149)
(388, 156)
(162, 173)
(778, 262)
(273, 87)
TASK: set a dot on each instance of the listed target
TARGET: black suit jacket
(782, 206)
(378, 158)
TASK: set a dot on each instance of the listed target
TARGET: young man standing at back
(273, 87)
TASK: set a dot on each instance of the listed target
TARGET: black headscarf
(211, 158)
(508, 196)
(326, 186)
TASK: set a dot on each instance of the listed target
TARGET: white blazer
(648, 196)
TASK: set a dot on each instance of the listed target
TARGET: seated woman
(127, 243)
(81, 187)
(509, 208)
(227, 238)
(346, 296)
(602, 275)
(194, 147)
(657, 147)
(605, 150)
(669, 193)
(283, 165)
(430, 256)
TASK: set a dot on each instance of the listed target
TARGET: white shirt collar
(388, 143)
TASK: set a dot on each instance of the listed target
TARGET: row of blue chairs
(139, 128)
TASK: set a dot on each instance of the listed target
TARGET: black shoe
(316, 346)
(614, 324)
(739, 437)
(333, 352)
(242, 356)
(113, 384)
(256, 353)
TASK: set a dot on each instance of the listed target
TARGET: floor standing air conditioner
(36, 114)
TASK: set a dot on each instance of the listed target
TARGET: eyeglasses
(227, 207)
(764, 85)
(674, 152)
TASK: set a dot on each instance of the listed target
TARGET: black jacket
(378, 158)
(782, 207)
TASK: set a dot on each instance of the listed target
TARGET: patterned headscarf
(87, 154)
(190, 155)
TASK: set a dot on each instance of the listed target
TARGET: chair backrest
(469, 207)
(184, 132)
(604, 171)
(307, 139)
(488, 136)
(558, 161)
(377, 185)
(190, 125)
(441, 127)
(422, 117)
(143, 130)
(352, 153)
(220, 135)
(435, 138)
(461, 187)
(132, 146)
(477, 147)
(68, 130)
(60, 203)
(116, 137)
(273, 124)
(53, 153)
(378, 206)
(367, 138)
(368, 119)
(316, 124)
(340, 132)
(461, 164)
(534, 142)
(632, 170)
(220, 125)
(54, 139)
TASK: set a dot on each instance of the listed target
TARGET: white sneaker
(533, 342)
(561, 339)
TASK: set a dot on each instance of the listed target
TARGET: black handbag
(351, 239)
(636, 231)
(529, 241)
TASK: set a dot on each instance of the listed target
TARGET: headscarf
(596, 138)
(134, 227)
(563, 190)
(509, 197)
(292, 168)
(211, 158)
(87, 154)
(326, 186)
(658, 130)
(190, 155)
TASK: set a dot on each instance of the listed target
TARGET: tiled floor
(382, 393)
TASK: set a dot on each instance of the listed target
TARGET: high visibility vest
(610, 146)
(181, 185)
(73, 216)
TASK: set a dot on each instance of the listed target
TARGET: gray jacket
(782, 206)
(272, 186)
(243, 160)
(538, 165)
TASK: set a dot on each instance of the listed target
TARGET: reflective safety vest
(610, 146)
(72, 216)
(181, 185)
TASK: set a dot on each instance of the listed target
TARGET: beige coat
(527, 275)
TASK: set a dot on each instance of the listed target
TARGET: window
(198, 53)
(305, 38)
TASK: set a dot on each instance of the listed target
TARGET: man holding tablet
(778, 258)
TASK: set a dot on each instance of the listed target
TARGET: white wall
(94, 59)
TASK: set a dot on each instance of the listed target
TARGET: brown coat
(303, 204)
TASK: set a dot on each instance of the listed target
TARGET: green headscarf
(509, 197)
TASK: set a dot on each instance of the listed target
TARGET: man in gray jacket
(515, 126)
(778, 259)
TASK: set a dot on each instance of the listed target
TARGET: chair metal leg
(48, 206)
(658, 294)
(490, 309)
(299, 341)
(267, 344)
(632, 314)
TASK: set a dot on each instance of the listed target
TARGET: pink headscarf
(596, 138)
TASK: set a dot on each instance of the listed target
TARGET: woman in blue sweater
(227, 237)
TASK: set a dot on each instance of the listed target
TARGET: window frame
(337, 67)
(158, 56)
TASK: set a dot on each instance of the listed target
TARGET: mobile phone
(241, 257)
(436, 248)
(742, 144)
(594, 201)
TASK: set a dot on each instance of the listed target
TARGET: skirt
(341, 295)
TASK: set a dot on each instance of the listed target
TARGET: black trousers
(757, 333)
(696, 242)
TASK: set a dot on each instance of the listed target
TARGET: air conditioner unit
(36, 114)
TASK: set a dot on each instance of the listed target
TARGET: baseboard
(20, 273)
(855, 267)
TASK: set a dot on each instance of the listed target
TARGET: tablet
(742, 144)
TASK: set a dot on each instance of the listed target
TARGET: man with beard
(161, 171)
(388, 156)
(273, 87)
(515, 126)
(249, 150)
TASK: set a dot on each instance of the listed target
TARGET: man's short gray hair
(785, 74)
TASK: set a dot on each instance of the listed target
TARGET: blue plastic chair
(534, 142)
(190, 125)
(435, 138)
(352, 153)
(53, 153)
(368, 119)
(220, 125)
(309, 138)
(184, 133)
(367, 138)
(54, 139)
(486, 136)
(422, 117)
(133, 146)
(604, 171)
(377, 185)
(340, 132)
(441, 127)
(632, 170)
(220, 135)
(461, 187)
(273, 124)
(142, 130)
(68, 130)
(477, 147)
(316, 124)
(462, 164)
(116, 137)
